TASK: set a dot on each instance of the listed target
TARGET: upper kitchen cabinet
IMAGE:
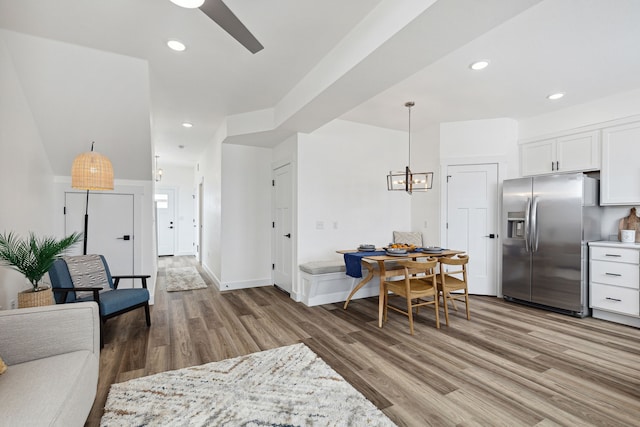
(567, 153)
(537, 158)
(620, 174)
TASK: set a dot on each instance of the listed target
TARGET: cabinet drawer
(616, 273)
(613, 298)
(615, 254)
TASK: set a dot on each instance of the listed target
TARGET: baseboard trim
(211, 276)
(231, 286)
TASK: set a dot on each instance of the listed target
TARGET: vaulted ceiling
(100, 70)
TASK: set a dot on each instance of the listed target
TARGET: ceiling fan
(225, 18)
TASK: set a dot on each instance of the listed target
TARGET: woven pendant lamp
(92, 171)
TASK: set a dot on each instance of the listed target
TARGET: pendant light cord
(409, 104)
(409, 163)
(86, 209)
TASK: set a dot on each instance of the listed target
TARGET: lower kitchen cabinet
(614, 282)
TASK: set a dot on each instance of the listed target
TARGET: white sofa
(53, 358)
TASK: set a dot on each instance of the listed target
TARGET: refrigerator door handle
(527, 226)
(534, 225)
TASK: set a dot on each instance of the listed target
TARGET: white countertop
(614, 244)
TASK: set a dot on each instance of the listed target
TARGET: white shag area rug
(184, 279)
(286, 386)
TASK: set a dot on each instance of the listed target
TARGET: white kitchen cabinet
(620, 174)
(568, 153)
(614, 282)
(537, 158)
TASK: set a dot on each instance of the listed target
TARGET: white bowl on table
(396, 251)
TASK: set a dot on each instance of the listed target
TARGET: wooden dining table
(382, 272)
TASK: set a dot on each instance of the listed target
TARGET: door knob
(288, 235)
(125, 237)
(171, 226)
(492, 236)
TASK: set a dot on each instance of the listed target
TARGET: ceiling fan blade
(223, 16)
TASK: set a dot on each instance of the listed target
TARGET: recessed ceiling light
(479, 65)
(176, 45)
(189, 4)
(187, 124)
(555, 96)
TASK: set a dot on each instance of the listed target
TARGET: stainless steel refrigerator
(547, 222)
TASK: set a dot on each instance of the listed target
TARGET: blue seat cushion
(120, 299)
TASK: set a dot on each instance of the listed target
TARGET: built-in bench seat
(325, 282)
(323, 267)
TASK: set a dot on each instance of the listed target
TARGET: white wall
(480, 139)
(342, 191)
(613, 107)
(425, 206)
(246, 217)
(27, 179)
(181, 180)
(209, 174)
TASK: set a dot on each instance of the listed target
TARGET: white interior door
(472, 223)
(110, 230)
(282, 228)
(165, 221)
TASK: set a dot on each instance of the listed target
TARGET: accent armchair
(87, 278)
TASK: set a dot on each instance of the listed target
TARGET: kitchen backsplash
(611, 216)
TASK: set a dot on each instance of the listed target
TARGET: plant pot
(31, 298)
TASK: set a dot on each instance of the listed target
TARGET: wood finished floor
(510, 365)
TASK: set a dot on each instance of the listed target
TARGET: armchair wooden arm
(143, 277)
(65, 291)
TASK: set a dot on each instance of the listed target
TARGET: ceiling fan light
(189, 4)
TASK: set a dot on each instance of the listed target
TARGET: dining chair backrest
(452, 281)
(458, 265)
(408, 237)
(419, 268)
(417, 285)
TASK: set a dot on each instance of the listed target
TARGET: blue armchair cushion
(119, 299)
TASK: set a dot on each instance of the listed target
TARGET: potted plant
(33, 257)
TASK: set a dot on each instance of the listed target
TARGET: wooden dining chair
(451, 279)
(418, 281)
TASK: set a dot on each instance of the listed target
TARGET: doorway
(165, 221)
(110, 228)
(472, 222)
(282, 228)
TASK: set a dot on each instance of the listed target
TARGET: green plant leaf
(34, 256)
